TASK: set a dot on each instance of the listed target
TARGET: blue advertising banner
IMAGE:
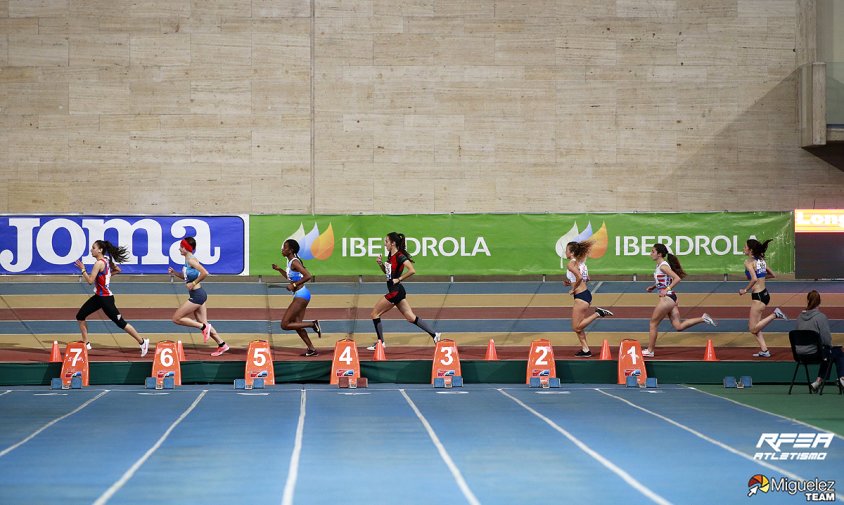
(49, 244)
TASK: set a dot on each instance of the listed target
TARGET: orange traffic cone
(380, 355)
(55, 353)
(605, 351)
(709, 354)
(181, 351)
(491, 353)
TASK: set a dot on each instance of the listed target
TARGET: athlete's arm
(173, 271)
(297, 266)
(89, 278)
(578, 280)
(768, 273)
(675, 279)
(381, 263)
(282, 271)
(115, 268)
(409, 271)
(202, 272)
(750, 266)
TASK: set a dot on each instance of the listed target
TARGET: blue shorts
(198, 296)
(585, 295)
(303, 293)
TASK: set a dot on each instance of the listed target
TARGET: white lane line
(54, 421)
(796, 421)
(6, 392)
(626, 477)
(711, 440)
(293, 471)
(105, 497)
(455, 472)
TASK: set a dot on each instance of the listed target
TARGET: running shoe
(603, 312)
(762, 354)
(144, 347)
(88, 345)
(310, 352)
(373, 346)
(220, 350)
(815, 386)
(206, 333)
(317, 329)
(780, 314)
(583, 354)
(437, 337)
(708, 319)
(647, 354)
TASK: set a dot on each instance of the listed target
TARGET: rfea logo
(599, 239)
(314, 245)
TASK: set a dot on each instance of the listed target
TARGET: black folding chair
(808, 349)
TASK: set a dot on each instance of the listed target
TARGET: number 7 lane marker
(461, 483)
(626, 477)
(54, 421)
(105, 497)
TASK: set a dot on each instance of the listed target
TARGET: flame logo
(599, 239)
(314, 245)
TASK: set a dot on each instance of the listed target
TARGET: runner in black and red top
(398, 267)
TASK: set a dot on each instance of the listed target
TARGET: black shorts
(104, 303)
(396, 294)
(672, 295)
(584, 295)
(763, 296)
(198, 296)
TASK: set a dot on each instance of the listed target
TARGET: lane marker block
(346, 365)
(259, 365)
(74, 366)
(544, 382)
(165, 365)
(445, 369)
(631, 363)
(540, 363)
(352, 382)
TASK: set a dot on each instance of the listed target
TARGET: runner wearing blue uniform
(297, 275)
(756, 270)
(193, 273)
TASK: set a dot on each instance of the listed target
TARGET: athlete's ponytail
(117, 254)
(579, 250)
(758, 248)
(294, 246)
(399, 240)
(672, 260)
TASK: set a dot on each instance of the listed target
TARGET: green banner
(522, 244)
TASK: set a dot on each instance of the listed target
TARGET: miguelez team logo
(599, 238)
(314, 245)
(758, 483)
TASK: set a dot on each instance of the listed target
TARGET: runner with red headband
(193, 274)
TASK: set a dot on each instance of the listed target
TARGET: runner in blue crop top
(193, 313)
(297, 275)
(756, 271)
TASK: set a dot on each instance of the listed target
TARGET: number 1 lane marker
(626, 477)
